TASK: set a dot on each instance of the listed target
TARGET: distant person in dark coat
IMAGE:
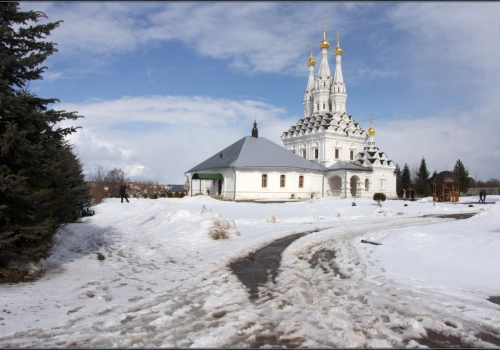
(480, 196)
(484, 196)
(123, 193)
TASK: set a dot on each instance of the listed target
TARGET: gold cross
(371, 115)
(338, 38)
(324, 25)
(311, 50)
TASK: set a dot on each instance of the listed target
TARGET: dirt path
(326, 286)
(321, 295)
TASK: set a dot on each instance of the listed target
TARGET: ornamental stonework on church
(326, 153)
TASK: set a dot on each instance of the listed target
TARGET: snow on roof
(252, 152)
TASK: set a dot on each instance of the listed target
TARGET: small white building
(325, 154)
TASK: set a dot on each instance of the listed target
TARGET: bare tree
(97, 182)
(114, 179)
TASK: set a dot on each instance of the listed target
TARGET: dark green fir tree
(422, 178)
(41, 180)
(406, 178)
(463, 176)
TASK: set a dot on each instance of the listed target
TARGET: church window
(336, 153)
(303, 153)
(318, 106)
(316, 151)
(282, 180)
(367, 185)
(301, 181)
(264, 180)
(324, 84)
(352, 155)
(323, 106)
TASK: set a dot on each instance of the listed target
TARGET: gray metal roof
(252, 152)
(341, 165)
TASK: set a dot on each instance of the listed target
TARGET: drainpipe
(345, 181)
(234, 191)
(323, 187)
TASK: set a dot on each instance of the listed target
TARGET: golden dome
(324, 44)
(371, 131)
(311, 62)
(337, 51)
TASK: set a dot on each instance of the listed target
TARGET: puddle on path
(451, 216)
(255, 269)
(325, 260)
(494, 299)
(438, 340)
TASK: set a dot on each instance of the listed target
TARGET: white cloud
(454, 41)
(441, 140)
(254, 37)
(161, 137)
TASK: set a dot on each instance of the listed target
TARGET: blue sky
(165, 85)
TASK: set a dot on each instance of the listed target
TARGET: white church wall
(249, 184)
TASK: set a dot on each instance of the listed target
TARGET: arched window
(264, 180)
(367, 185)
(324, 84)
(301, 181)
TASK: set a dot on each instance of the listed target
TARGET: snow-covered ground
(166, 282)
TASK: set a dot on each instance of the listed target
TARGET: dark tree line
(422, 181)
(41, 180)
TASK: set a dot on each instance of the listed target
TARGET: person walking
(484, 196)
(481, 196)
(123, 193)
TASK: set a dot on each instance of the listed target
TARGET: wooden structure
(446, 187)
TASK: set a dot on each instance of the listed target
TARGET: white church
(325, 154)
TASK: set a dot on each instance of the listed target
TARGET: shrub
(170, 194)
(163, 195)
(155, 196)
(145, 195)
(379, 198)
(182, 195)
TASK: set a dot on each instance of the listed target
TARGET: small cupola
(255, 131)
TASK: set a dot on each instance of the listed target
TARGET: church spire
(371, 134)
(338, 93)
(324, 69)
(311, 63)
(308, 97)
(255, 131)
